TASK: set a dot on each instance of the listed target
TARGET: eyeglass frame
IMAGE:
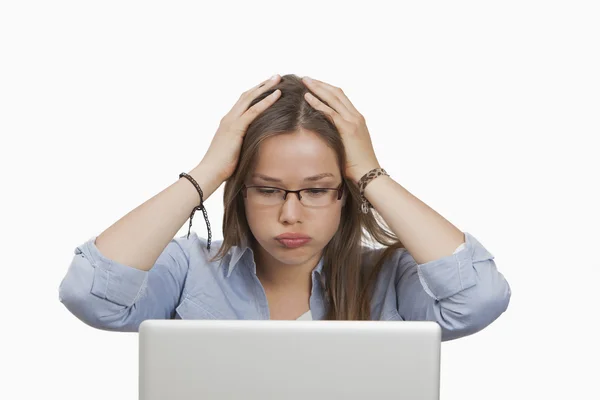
(340, 190)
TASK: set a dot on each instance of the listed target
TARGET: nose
(291, 209)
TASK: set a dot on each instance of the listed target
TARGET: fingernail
(307, 79)
(274, 76)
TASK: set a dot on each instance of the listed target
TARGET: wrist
(359, 172)
(206, 178)
(207, 173)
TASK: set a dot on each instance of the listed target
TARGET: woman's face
(291, 158)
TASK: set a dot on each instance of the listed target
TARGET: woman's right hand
(224, 150)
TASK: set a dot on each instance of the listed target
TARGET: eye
(316, 192)
(267, 192)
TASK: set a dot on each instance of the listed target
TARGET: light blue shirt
(462, 292)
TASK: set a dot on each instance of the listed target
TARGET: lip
(294, 236)
(293, 243)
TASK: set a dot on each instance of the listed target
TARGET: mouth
(293, 243)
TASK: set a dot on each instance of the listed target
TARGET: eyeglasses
(309, 197)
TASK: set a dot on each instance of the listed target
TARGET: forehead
(292, 157)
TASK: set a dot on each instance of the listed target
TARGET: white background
(494, 107)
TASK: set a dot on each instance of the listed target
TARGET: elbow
(96, 315)
(488, 307)
(74, 300)
(474, 309)
(75, 294)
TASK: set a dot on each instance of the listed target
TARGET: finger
(338, 93)
(332, 114)
(258, 108)
(274, 79)
(246, 98)
(339, 99)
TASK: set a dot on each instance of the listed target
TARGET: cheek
(259, 230)
(260, 223)
(253, 219)
(329, 223)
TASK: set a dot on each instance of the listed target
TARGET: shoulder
(392, 259)
(202, 268)
(195, 248)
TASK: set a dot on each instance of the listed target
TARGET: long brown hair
(347, 286)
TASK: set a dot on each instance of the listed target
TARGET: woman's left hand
(360, 155)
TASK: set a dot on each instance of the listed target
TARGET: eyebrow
(309, 179)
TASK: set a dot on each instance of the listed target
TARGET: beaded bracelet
(200, 207)
(362, 183)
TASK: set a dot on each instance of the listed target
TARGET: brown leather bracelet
(200, 207)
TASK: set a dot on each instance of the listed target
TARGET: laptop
(276, 359)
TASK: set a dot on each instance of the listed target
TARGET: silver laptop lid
(239, 359)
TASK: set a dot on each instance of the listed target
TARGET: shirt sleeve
(463, 292)
(112, 296)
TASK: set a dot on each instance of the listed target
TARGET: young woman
(305, 199)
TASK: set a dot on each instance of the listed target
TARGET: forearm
(426, 234)
(139, 237)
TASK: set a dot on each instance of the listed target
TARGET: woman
(297, 161)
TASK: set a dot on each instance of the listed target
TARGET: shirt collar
(238, 253)
(244, 254)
